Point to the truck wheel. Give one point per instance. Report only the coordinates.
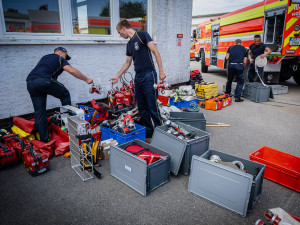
(286, 71)
(296, 78)
(204, 67)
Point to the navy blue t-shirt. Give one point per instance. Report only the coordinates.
(50, 66)
(237, 53)
(137, 48)
(257, 50)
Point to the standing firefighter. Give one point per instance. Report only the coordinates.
(237, 60)
(257, 49)
(139, 49)
(42, 81)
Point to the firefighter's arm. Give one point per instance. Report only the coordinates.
(249, 57)
(124, 68)
(154, 50)
(245, 61)
(269, 51)
(76, 73)
(227, 56)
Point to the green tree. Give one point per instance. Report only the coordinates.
(105, 11)
(132, 10)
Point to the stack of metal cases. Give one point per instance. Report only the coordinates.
(257, 92)
(135, 172)
(231, 188)
(195, 146)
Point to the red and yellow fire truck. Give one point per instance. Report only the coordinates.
(278, 23)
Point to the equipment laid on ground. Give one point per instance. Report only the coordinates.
(67, 111)
(78, 159)
(206, 90)
(143, 153)
(226, 186)
(281, 167)
(188, 147)
(217, 103)
(195, 77)
(278, 216)
(257, 92)
(181, 131)
(35, 163)
(8, 155)
(238, 165)
(89, 153)
(139, 174)
(217, 124)
(105, 147)
(124, 124)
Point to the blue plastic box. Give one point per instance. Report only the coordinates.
(139, 133)
(182, 104)
(88, 116)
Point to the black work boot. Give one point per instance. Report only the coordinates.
(239, 100)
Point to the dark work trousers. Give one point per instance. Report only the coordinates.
(235, 70)
(38, 90)
(252, 74)
(146, 97)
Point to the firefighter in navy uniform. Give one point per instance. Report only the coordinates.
(42, 81)
(139, 49)
(257, 49)
(237, 59)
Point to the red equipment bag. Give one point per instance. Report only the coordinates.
(194, 73)
(8, 154)
(25, 125)
(35, 163)
(143, 153)
(16, 143)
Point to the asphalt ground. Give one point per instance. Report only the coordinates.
(61, 197)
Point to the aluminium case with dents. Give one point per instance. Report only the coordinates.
(173, 145)
(231, 188)
(135, 172)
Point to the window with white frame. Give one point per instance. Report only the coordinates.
(61, 20)
(31, 16)
(135, 11)
(91, 17)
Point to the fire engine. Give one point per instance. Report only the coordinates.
(278, 23)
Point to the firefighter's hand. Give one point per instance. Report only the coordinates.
(89, 80)
(162, 76)
(262, 56)
(114, 79)
(251, 60)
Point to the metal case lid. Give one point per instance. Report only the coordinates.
(171, 145)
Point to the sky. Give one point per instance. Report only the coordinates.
(204, 7)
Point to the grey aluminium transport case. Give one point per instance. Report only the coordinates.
(172, 145)
(135, 172)
(231, 188)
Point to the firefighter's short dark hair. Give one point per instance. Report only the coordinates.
(257, 36)
(238, 41)
(123, 23)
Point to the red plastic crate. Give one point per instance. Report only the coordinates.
(281, 167)
(163, 99)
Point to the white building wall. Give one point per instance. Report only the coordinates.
(99, 61)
